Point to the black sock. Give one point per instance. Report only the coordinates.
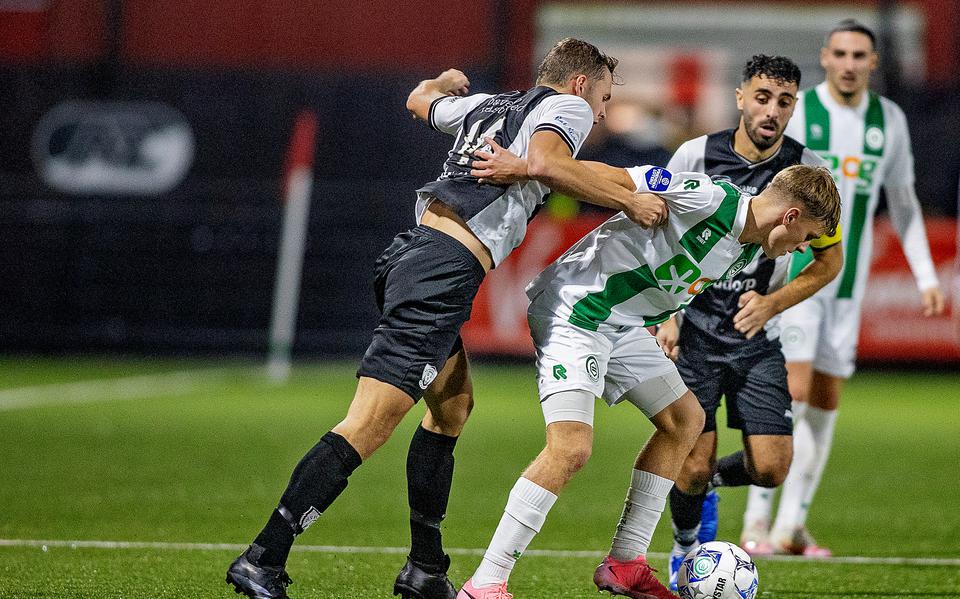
(429, 476)
(685, 511)
(732, 471)
(317, 480)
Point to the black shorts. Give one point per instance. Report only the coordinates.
(425, 283)
(754, 384)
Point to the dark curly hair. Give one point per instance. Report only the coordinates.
(779, 68)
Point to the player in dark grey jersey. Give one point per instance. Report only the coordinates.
(721, 348)
(425, 285)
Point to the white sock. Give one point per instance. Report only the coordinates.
(822, 424)
(526, 511)
(812, 439)
(759, 505)
(641, 512)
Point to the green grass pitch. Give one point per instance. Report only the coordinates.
(179, 465)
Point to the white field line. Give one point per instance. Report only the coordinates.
(131, 387)
(46, 544)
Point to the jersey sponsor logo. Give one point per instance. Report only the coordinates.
(699, 286)
(737, 284)
(309, 517)
(593, 368)
(873, 137)
(852, 167)
(559, 372)
(429, 373)
(658, 179)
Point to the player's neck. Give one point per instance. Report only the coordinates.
(744, 146)
(850, 100)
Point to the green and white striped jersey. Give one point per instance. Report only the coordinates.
(621, 274)
(866, 146)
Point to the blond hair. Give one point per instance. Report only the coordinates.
(570, 57)
(813, 188)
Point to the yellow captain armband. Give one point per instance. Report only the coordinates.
(826, 240)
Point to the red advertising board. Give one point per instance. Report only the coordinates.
(894, 328)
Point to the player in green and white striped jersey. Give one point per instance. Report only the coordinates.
(864, 137)
(588, 318)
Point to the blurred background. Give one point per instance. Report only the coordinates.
(146, 148)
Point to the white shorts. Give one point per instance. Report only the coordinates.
(824, 330)
(615, 365)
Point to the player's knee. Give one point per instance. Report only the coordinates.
(696, 474)
(686, 419)
(571, 456)
(769, 473)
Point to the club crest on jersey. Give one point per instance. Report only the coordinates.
(593, 368)
(658, 179)
(816, 131)
(738, 266)
(429, 373)
(873, 138)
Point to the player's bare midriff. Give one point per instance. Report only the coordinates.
(441, 217)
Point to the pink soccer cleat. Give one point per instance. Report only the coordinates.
(799, 541)
(633, 579)
(491, 591)
(755, 538)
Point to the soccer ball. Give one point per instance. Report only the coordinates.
(717, 570)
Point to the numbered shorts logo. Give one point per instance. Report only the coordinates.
(593, 368)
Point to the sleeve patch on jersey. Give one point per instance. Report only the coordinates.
(658, 179)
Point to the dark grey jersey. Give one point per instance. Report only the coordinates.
(712, 311)
(498, 214)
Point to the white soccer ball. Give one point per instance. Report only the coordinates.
(718, 570)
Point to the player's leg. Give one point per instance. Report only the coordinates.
(407, 349)
(789, 532)
(639, 373)
(625, 570)
(571, 363)
(430, 463)
(801, 330)
(568, 447)
(687, 498)
(834, 362)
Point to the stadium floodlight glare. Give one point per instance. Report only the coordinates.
(298, 185)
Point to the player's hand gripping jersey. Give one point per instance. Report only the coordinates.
(498, 214)
(623, 275)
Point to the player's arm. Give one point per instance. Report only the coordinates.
(906, 215)
(449, 83)
(550, 161)
(907, 219)
(501, 166)
(756, 309)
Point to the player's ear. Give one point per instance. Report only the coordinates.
(580, 85)
(738, 93)
(791, 216)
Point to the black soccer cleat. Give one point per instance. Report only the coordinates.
(414, 582)
(257, 582)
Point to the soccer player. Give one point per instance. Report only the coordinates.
(588, 316)
(721, 349)
(865, 139)
(425, 284)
